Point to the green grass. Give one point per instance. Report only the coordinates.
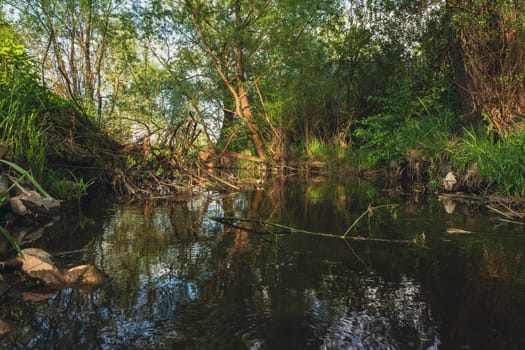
(424, 137)
(23, 106)
(501, 162)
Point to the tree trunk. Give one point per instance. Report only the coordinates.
(88, 71)
(491, 65)
(247, 117)
(239, 92)
(243, 105)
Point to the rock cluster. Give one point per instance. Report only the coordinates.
(40, 265)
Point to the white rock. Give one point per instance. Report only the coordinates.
(450, 181)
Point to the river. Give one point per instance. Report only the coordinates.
(180, 280)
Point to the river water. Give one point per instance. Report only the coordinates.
(180, 280)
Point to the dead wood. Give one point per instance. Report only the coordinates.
(230, 221)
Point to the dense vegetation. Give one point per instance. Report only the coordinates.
(152, 89)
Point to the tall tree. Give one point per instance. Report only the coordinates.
(243, 41)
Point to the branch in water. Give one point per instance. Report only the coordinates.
(419, 239)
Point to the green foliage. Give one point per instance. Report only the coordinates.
(24, 106)
(67, 186)
(415, 113)
(326, 81)
(501, 162)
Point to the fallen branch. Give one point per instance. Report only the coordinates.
(507, 215)
(418, 239)
(224, 182)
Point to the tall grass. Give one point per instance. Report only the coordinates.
(40, 128)
(23, 107)
(424, 136)
(501, 162)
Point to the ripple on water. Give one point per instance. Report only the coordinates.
(386, 316)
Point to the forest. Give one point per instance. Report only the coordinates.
(145, 97)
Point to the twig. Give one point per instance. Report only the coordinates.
(369, 211)
(513, 212)
(228, 221)
(512, 221)
(224, 182)
(508, 216)
(70, 252)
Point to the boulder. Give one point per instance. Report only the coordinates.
(85, 275)
(39, 264)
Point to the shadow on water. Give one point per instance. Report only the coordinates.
(182, 281)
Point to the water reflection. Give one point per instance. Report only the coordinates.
(181, 280)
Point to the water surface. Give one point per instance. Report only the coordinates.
(180, 280)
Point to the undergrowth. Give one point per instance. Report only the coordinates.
(49, 135)
(501, 162)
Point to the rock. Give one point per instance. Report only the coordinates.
(17, 206)
(85, 275)
(450, 181)
(39, 264)
(39, 205)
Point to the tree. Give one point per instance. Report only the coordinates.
(489, 60)
(244, 41)
(70, 39)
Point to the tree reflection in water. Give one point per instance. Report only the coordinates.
(181, 280)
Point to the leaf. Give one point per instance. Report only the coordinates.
(457, 230)
(11, 240)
